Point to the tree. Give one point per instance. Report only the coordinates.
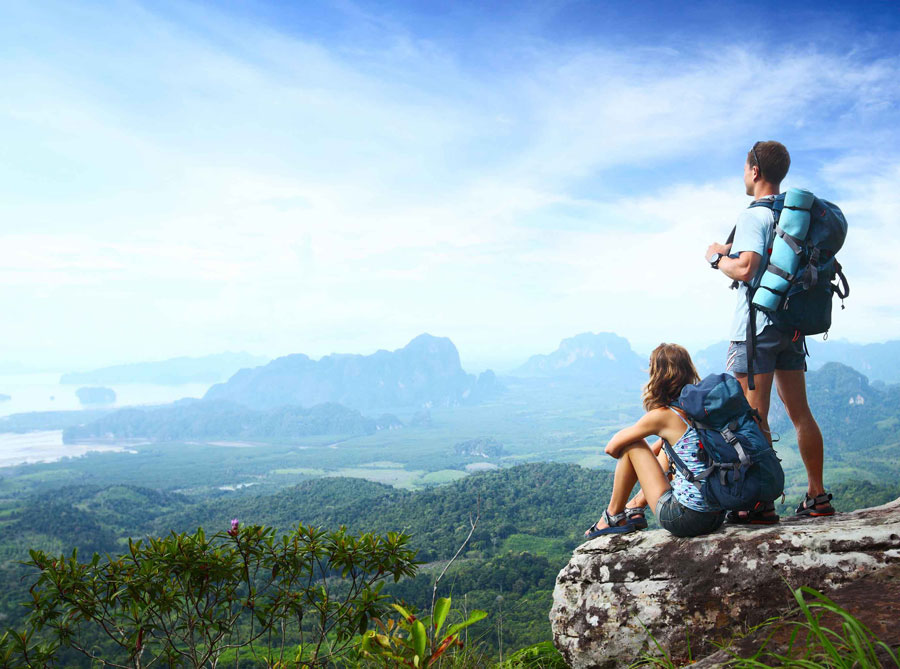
(192, 600)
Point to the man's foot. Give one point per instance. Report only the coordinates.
(637, 516)
(763, 513)
(610, 524)
(817, 506)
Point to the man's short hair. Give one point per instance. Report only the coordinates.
(774, 160)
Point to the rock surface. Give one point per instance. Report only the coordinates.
(689, 593)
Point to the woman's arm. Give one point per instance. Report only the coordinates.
(649, 424)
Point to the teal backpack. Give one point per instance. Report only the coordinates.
(741, 466)
(802, 274)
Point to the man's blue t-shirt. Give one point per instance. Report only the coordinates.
(755, 232)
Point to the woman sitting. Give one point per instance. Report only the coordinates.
(680, 508)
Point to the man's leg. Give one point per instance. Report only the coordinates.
(791, 385)
(759, 399)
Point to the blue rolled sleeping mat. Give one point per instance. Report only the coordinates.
(786, 249)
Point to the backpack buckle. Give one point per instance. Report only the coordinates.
(728, 435)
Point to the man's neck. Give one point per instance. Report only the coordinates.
(763, 189)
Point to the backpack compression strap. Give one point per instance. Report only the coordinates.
(775, 205)
(727, 433)
(681, 468)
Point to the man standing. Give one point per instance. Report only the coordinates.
(776, 357)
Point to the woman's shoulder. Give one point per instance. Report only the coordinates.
(660, 416)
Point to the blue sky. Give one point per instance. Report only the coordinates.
(318, 177)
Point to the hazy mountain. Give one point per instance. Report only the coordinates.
(221, 420)
(879, 362)
(604, 358)
(175, 371)
(852, 414)
(425, 372)
(48, 420)
(711, 360)
(96, 395)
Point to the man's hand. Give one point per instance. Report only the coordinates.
(717, 248)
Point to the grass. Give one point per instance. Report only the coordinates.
(888, 423)
(399, 478)
(305, 471)
(544, 546)
(814, 644)
(442, 476)
(539, 656)
(843, 642)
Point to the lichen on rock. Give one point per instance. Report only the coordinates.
(617, 591)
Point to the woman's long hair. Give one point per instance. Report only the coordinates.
(671, 370)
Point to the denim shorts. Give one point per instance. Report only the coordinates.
(684, 522)
(774, 350)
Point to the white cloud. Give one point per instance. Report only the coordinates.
(221, 185)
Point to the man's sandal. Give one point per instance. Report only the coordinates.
(762, 513)
(808, 506)
(636, 516)
(614, 527)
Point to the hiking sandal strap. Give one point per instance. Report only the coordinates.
(811, 502)
(614, 520)
(635, 511)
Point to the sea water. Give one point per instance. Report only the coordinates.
(44, 446)
(43, 392)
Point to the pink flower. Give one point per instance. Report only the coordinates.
(234, 527)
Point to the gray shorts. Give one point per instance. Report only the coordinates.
(684, 522)
(774, 350)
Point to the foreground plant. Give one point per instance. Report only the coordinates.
(192, 600)
(813, 644)
(415, 642)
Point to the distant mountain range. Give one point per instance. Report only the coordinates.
(194, 420)
(852, 414)
(426, 372)
(602, 358)
(879, 362)
(175, 371)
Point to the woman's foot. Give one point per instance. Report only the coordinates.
(637, 516)
(610, 524)
(763, 513)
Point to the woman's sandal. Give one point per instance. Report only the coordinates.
(762, 513)
(636, 516)
(808, 506)
(614, 527)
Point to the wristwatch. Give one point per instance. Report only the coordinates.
(716, 257)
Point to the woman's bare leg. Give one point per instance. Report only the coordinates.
(640, 500)
(636, 464)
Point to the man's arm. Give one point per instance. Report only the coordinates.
(742, 268)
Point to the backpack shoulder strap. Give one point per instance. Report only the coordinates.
(682, 468)
(678, 413)
(776, 204)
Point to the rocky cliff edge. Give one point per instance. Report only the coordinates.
(689, 594)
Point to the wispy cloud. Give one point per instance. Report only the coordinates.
(222, 184)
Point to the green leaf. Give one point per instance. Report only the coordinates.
(420, 638)
(477, 615)
(403, 612)
(441, 608)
